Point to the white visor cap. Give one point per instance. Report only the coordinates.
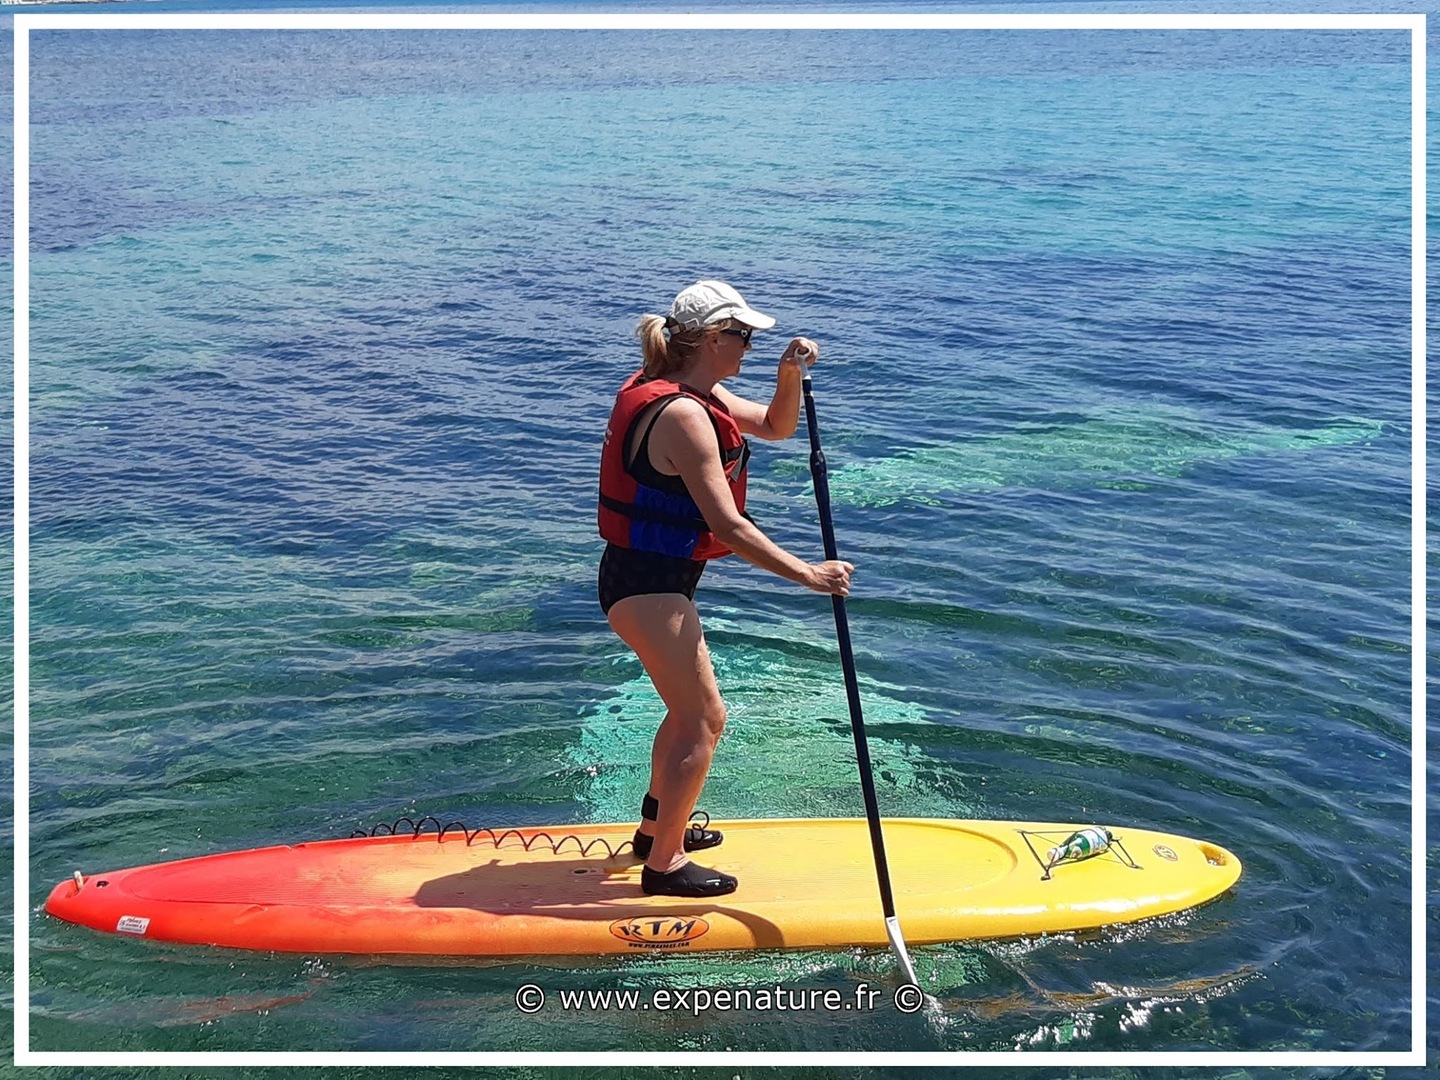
(708, 302)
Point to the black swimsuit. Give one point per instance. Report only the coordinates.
(630, 572)
(627, 572)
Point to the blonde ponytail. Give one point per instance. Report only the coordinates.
(664, 357)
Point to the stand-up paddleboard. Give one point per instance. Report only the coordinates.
(576, 891)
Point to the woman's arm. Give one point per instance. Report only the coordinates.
(683, 439)
(780, 418)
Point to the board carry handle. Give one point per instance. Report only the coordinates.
(819, 475)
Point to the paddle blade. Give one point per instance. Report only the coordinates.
(897, 943)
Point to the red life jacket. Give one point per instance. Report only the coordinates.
(647, 510)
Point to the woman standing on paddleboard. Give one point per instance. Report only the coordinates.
(672, 497)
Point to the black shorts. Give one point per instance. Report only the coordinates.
(627, 572)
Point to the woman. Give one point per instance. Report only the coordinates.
(672, 497)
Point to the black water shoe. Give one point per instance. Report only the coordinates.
(697, 838)
(689, 880)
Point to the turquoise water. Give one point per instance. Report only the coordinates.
(1115, 391)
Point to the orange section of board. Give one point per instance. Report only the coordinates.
(803, 884)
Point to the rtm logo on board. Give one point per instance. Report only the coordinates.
(659, 931)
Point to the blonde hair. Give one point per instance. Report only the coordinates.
(666, 355)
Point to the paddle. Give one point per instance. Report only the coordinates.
(820, 476)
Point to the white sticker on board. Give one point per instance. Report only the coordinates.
(132, 924)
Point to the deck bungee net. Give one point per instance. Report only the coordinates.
(488, 835)
(484, 834)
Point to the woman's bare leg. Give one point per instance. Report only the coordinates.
(664, 630)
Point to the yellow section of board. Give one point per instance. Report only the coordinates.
(811, 883)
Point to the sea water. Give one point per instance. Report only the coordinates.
(1115, 389)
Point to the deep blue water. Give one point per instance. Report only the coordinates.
(1115, 390)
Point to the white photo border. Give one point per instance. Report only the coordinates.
(737, 20)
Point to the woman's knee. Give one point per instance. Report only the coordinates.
(701, 725)
(712, 719)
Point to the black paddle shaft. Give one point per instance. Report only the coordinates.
(820, 476)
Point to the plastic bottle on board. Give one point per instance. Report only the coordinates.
(1080, 845)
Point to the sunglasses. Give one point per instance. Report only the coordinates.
(743, 335)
